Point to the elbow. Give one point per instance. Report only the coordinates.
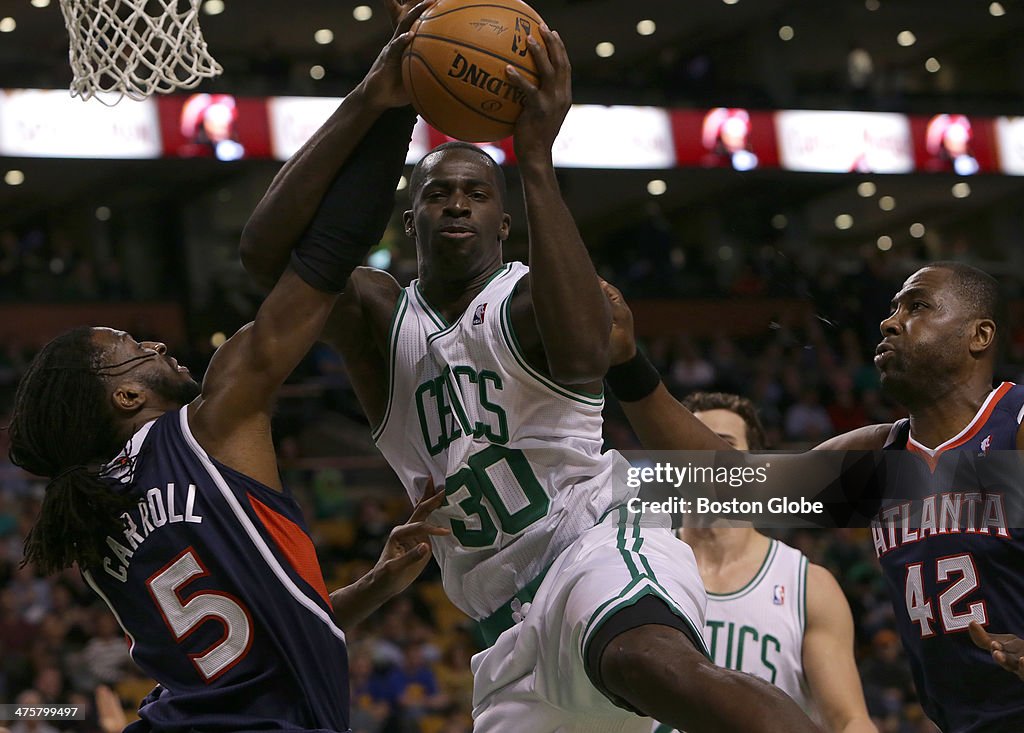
(248, 249)
(253, 261)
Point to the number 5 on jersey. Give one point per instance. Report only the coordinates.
(185, 615)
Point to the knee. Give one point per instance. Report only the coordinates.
(649, 657)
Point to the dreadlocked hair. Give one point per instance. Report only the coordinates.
(64, 429)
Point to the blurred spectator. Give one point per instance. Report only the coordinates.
(369, 713)
(30, 725)
(807, 420)
(30, 594)
(410, 686)
(106, 654)
(372, 528)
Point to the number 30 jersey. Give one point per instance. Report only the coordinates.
(519, 455)
(216, 584)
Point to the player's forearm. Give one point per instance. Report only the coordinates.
(287, 324)
(354, 603)
(571, 311)
(661, 423)
(291, 201)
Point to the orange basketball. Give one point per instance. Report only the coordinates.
(454, 68)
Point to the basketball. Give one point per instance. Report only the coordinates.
(454, 68)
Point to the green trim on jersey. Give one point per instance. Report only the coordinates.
(501, 620)
(396, 325)
(773, 548)
(802, 590)
(587, 398)
(624, 599)
(438, 334)
(433, 315)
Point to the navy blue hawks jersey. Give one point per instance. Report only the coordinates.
(216, 584)
(951, 545)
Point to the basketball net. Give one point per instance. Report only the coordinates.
(135, 48)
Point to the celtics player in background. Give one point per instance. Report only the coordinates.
(770, 612)
(486, 377)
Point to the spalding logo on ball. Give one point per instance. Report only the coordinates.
(454, 68)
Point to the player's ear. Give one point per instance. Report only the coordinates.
(505, 228)
(983, 335)
(129, 397)
(410, 226)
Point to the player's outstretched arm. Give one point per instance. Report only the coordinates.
(660, 422)
(347, 170)
(571, 314)
(1007, 649)
(405, 554)
(828, 656)
(231, 417)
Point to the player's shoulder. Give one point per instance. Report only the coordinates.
(869, 437)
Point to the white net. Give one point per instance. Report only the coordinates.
(135, 48)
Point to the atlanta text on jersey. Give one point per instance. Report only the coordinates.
(952, 512)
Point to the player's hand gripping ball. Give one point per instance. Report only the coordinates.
(454, 68)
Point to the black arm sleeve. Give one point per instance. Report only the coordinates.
(356, 208)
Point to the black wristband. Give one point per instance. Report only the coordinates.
(633, 380)
(356, 208)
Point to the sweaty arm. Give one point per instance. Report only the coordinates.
(405, 554)
(828, 656)
(571, 314)
(231, 419)
(345, 174)
(658, 419)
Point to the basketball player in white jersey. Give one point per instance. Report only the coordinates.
(770, 612)
(486, 377)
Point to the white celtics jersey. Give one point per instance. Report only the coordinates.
(519, 456)
(760, 627)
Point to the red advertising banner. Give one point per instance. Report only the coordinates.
(954, 143)
(214, 126)
(725, 137)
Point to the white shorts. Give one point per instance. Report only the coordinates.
(533, 677)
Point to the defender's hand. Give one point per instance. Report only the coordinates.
(545, 104)
(1007, 650)
(383, 82)
(109, 711)
(407, 550)
(622, 347)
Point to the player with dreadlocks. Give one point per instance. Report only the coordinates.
(63, 428)
(167, 495)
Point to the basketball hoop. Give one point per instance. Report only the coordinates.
(135, 48)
